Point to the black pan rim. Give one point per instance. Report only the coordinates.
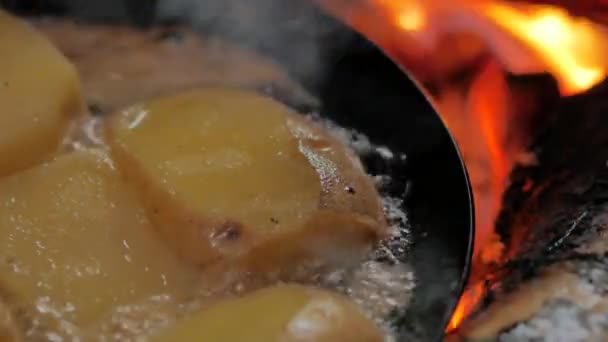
(471, 244)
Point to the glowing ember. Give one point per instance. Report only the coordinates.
(523, 39)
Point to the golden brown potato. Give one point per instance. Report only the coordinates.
(75, 242)
(228, 174)
(286, 313)
(39, 92)
(346, 186)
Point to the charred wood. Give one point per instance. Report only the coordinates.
(553, 283)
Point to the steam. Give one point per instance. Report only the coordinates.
(292, 32)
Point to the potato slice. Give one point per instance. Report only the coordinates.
(346, 186)
(227, 174)
(74, 242)
(39, 92)
(281, 313)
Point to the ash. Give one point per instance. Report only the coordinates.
(384, 283)
(561, 320)
(571, 317)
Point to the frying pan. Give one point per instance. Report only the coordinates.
(361, 88)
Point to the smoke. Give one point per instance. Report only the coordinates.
(293, 32)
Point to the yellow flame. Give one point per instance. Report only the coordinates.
(565, 44)
(572, 49)
(411, 18)
(409, 15)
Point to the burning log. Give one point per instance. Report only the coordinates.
(489, 117)
(554, 224)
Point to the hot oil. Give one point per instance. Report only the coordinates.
(46, 318)
(382, 285)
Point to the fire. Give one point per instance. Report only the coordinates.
(467, 303)
(521, 38)
(571, 49)
(525, 38)
(412, 19)
(489, 106)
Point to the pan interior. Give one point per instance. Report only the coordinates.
(361, 89)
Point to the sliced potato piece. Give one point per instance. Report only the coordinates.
(39, 92)
(346, 186)
(282, 313)
(228, 174)
(75, 242)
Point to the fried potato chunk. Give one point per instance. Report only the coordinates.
(75, 242)
(282, 313)
(39, 92)
(228, 174)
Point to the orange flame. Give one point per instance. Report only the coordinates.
(489, 103)
(489, 106)
(523, 38)
(467, 304)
